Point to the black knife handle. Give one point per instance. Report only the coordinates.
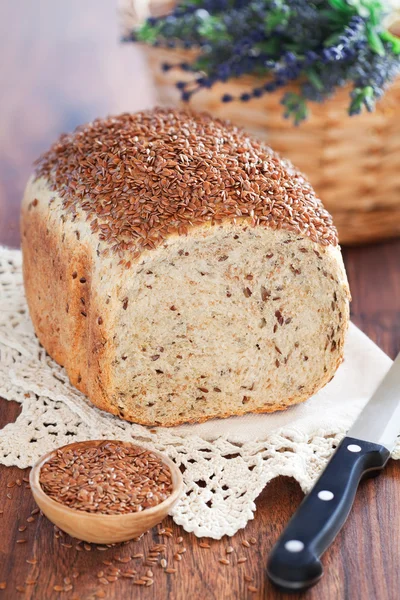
(294, 562)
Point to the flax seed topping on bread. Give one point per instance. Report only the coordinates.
(140, 177)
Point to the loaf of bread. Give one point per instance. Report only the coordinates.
(180, 270)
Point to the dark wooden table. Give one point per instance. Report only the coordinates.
(61, 65)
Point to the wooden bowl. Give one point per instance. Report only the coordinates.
(101, 528)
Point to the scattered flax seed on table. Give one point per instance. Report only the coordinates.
(124, 559)
(112, 478)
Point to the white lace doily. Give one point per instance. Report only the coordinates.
(225, 463)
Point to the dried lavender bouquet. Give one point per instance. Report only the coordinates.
(314, 46)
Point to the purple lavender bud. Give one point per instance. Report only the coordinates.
(186, 96)
(270, 86)
(209, 82)
(245, 97)
(290, 58)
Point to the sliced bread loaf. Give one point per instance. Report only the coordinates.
(180, 270)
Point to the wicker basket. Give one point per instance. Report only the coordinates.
(353, 162)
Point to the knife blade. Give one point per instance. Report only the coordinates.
(379, 421)
(294, 563)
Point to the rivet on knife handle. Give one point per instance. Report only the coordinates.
(294, 562)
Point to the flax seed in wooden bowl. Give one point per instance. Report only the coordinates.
(105, 491)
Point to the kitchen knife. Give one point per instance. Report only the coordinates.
(294, 561)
